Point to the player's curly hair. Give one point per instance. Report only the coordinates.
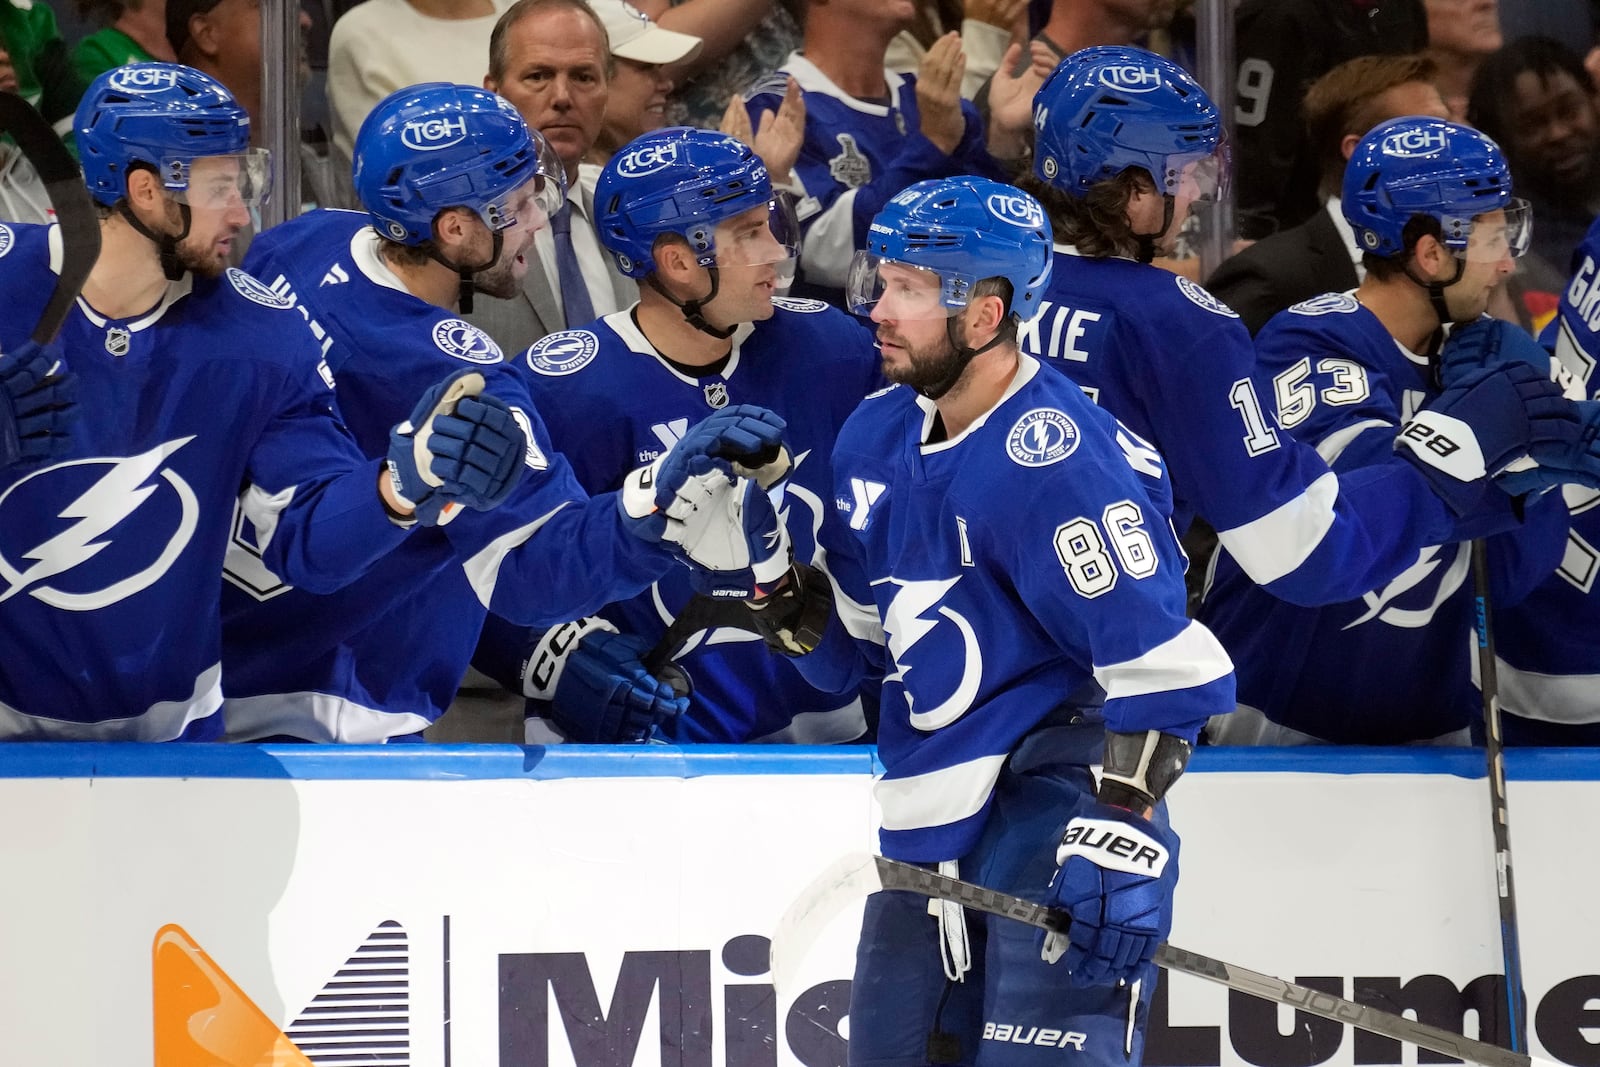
(1096, 224)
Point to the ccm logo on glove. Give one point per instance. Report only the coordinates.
(1112, 846)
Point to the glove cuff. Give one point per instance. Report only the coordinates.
(547, 660)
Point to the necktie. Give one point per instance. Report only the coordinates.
(575, 302)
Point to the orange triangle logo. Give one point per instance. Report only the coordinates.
(203, 1019)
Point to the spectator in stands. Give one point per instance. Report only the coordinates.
(22, 195)
(131, 31)
(552, 60)
(379, 46)
(745, 41)
(1283, 46)
(1320, 255)
(986, 27)
(1536, 99)
(871, 132)
(223, 39)
(1461, 35)
(41, 69)
(641, 53)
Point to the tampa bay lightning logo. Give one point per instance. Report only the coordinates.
(792, 303)
(1327, 304)
(124, 523)
(1412, 598)
(1041, 437)
(929, 641)
(563, 353)
(1197, 294)
(257, 292)
(461, 339)
(7, 239)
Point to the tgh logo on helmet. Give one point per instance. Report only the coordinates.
(1131, 78)
(1021, 211)
(141, 78)
(1409, 143)
(430, 135)
(647, 159)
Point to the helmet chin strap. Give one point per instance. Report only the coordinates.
(1147, 241)
(964, 356)
(692, 309)
(1441, 308)
(464, 301)
(166, 244)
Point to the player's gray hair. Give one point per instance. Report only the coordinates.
(521, 10)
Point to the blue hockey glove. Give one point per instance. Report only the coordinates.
(460, 448)
(37, 407)
(737, 546)
(1116, 875)
(1560, 461)
(1488, 422)
(598, 689)
(1485, 344)
(697, 470)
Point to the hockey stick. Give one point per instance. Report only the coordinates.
(1499, 818)
(69, 198)
(858, 874)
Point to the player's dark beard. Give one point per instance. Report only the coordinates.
(498, 281)
(928, 365)
(202, 263)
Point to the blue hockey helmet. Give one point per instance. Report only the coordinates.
(434, 146)
(680, 180)
(163, 115)
(1107, 108)
(1417, 165)
(961, 230)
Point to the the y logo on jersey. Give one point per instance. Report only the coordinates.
(1019, 209)
(430, 135)
(647, 159)
(1131, 78)
(1410, 144)
(1041, 437)
(864, 495)
(123, 523)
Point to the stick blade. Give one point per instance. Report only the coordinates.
(847, 880)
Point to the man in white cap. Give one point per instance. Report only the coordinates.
(642, 54)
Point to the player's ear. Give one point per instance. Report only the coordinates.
(144, 188)
(673, 257)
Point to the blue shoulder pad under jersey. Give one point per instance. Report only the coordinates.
(1548, 670)
(1010, 567)
(1391, 666)
(111, 555)
(1176, 366)
(393, 648)
(614, 404)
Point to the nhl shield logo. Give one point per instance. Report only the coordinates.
(717, 395)
(850, 168)
(117, 341)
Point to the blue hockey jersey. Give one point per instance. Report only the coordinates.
(1174, 364)
(110, 559)
(383, 657)
(856, 155)
(1392, 665)
(1548, 665)
(1003, 570)
(612, 403)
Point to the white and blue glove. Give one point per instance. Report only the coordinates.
(461, 447)
(1116, 875)
(1491, 422)
(38, 404)
(596, 684)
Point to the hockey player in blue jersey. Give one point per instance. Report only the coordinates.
(200, 380)
(455, 186)
(692, 215)
(1006, 549)
(1127, 142)
(1431, 203)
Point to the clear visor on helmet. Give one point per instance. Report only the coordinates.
(535, 200)
(1200, 179)
(903, 291)
(1495, 235)
(220, 182)
(760, 236)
